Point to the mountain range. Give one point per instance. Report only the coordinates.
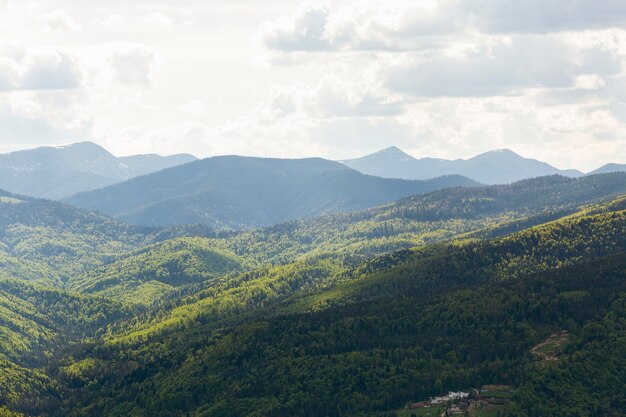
(608, 168)
(501, 166)
(58, 172)
(61, 172)
(516, 288)
(233, 192)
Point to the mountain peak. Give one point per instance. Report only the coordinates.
(502, 151)
(498, 166)
(392, 150)
(83, 144)
(85, 149)
(60, 171)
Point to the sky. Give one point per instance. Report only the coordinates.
(337, 79)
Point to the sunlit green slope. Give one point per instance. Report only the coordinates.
(395, 329)
(155, 271)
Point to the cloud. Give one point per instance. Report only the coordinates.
(59, 20)
(133, 64)
(51, 71)
(38, 118)
(545, 16)
(303, 31)
(194, 108)
(167, 19)
(22, 68)
(410, 25)
(110, 21)
(516, 63)
(589, 82)
(158, 19)
(155, 20)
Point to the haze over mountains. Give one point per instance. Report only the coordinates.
(608, 168)
(57, 172)
(500, 166)
(233, 192)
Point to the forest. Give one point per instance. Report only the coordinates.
(351, 314)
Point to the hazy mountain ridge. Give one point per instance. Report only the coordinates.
(500, 166)
(57, 172)
(235, 192)
(608, 168)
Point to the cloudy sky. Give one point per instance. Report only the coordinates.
(444, 78)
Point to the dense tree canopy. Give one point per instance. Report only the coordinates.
(354, 314)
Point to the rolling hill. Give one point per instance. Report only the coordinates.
(446, 290)
(609, 168)
(335, 241)
(495, 167)
(237, 192)
(154, 271)
(60, 240)
(426, 219)
(57, 172)
(396, 329)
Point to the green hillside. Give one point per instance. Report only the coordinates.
(62, 238)
(356, 313)
(396, 329)
(154, 271)
(38, 324)
(428, 218)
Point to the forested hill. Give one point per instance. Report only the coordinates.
(237, 192)
(428, 218)
(60, 239)
(155, 272)
(355, 313)
(397, 329)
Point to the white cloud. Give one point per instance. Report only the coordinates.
(589, 82)
(59, 20)
(303, 31)
(135, 65)
(158, 19)
(194, 108)
(40, 118)
(110, 21)
(411, 25)
(23, 68)
(527, 61)
(444, 78)
(544, 16)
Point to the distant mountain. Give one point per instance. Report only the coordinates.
(232, 192)
(57, 172)
(608, 168)
(501, 166)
